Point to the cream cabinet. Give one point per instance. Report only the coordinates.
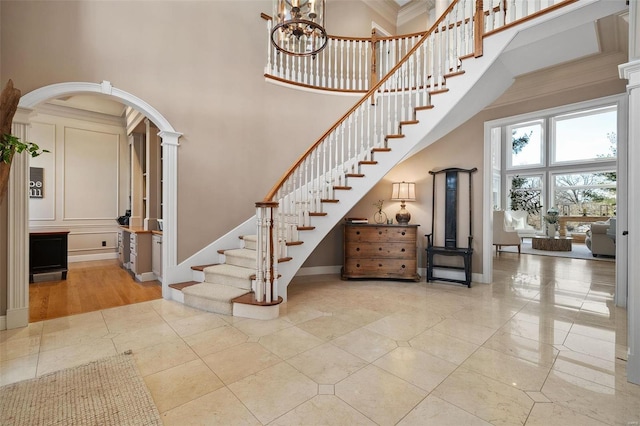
(140, 255)
(156, 256)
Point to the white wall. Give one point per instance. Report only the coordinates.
(85, 182)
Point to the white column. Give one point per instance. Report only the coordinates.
(18, 230)
(631, 72)
(169, 207)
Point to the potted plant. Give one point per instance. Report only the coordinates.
(552, 220)
(10, 144)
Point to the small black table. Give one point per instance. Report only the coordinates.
(48, 251)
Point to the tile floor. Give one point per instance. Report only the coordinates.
(541, 345)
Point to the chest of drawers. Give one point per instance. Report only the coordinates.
(380, 251)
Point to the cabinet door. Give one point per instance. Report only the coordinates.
(156, 255)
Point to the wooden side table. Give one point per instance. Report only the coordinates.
(551, 244)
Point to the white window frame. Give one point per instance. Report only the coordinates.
(508, 143)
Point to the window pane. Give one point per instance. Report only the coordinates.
(526, 144)
(586, 135)
(589, 193)
(525, 193)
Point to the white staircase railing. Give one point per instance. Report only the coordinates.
(352, 141)
(354, 64)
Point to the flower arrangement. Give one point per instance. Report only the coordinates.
(379, 204)
(552, 216)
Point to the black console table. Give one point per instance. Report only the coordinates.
(48, 251)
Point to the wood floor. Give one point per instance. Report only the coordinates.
(90, 286)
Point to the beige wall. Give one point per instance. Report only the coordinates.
(191, 62)
(85, 180)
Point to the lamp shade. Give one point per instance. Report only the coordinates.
(403, 191)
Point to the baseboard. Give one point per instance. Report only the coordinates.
(318, 270)
(3, 322)
(89, 257)
(16, 318)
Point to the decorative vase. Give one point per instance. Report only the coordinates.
(551, 230)
(380, 217)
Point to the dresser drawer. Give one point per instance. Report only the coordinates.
(380, 268)
(380, 234)
(404, 250)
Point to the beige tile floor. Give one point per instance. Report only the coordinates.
(541, 345)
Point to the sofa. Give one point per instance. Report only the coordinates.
(516, 220)
(598, 241)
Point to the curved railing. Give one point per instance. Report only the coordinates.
(354, 64)
(366, 127)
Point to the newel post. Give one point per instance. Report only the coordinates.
(266, 288)
(478, 28)
(374, 63)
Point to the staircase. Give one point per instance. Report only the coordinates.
(441, 82)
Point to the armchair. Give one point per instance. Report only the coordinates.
(503, 235)
(598, 241)
(517, 220)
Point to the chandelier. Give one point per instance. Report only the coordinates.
(299, 27)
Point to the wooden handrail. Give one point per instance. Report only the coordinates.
(530, 17)
(370, 93)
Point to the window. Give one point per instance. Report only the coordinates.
(563, 158)
(585, 193)
(585, 135)
(526, 148)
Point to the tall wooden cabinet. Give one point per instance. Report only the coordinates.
(380, 251)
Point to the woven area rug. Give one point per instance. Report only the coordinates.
(109, 391)
(578, 251)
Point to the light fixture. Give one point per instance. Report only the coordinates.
(403, 191)
(299, 27)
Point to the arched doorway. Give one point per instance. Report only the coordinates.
(18, 220)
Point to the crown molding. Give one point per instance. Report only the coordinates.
(386, 8)
(413, 9)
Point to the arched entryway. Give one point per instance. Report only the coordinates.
(17, 196)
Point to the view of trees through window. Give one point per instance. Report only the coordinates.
(566, 161)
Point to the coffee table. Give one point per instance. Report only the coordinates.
(551, 244)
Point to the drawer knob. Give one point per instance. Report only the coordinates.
(403, 266)
(357, 265)
(379, 265)
(379, 232)
(357, 248)
(379, 248)
(402, 250)
(403, 232)
(357, 232)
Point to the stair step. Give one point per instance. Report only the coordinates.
(230, 275)
(438, 91)
(240, 257)
(180, 286)
(400, 136)
(380, 149)
(341, 187)
(305, 228)
(285, 259)
(250, 242)
(408, 122)
(249, 299)
(325, 200)
(422, 108)
(317, 214)
(201, 267)
(454, 73)
(294, 243)
(354, 175)
(212, 297)
(369, 162)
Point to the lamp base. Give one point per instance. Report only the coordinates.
(403, 216)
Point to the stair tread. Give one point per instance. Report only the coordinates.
(180, 286)
(241, 252)
(250, 237)
(248, 299)
(202, 267)
(380, 149)
(317, 214)
(354, 175)
(219, 292)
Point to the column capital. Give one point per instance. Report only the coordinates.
(630, 71)
(170, 138)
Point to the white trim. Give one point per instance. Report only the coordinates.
(80, 114)
(146, 276)
(3, 322)
(19, 284)
(90, 257)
